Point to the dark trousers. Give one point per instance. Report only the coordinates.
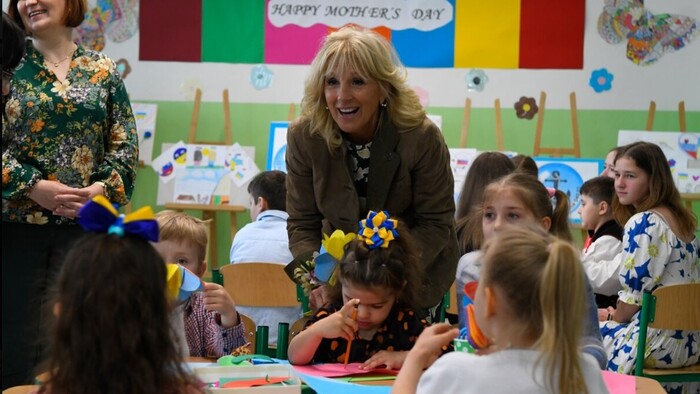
(31, 257)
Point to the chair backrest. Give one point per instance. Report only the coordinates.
(297, 326)
(452, 306)
(675, 307)
(259, 284)
(249, 331)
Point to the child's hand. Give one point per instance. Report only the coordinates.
(338, 325)
(429, 345)
(392, 360)
(217, 299)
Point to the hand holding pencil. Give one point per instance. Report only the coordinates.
(347, 351)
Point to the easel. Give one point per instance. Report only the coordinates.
(209, 211)
(557, 152)
(688, 198)
(652, 112)
(465, 123)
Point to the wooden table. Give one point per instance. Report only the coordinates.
(209, 214)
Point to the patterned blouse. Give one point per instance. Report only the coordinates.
(78, 131)
(399, 332)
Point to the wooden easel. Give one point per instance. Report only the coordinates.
(209, 211)
(557, 152)
(465, 123)
(652, 112)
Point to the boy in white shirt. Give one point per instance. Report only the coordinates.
(604, 242)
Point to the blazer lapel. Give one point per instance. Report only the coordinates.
(383, 163)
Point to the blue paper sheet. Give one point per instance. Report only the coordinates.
(332, 386)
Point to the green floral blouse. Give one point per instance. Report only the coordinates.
(78, 131)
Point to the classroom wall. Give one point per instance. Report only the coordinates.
(250, 127)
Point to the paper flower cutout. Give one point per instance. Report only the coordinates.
(123, 67)
(261, 77)
(476, 80)
(601, 80)
(181, 282)
(189, 87)
(526, 108)
(322, 267)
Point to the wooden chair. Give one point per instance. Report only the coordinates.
(259, 284)
(672, 307)
(297, 327)
(249, 330)
(20, 389)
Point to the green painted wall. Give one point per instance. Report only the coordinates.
(250, 125)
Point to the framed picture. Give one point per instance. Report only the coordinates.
(567, 175)
(278, 146)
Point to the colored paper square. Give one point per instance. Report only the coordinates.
(487, 34)
(551, 34)
(175, 37)
(233, 31)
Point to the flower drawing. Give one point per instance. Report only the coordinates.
(476, 80)
(601, 80)
(526, 108)
(261, 77)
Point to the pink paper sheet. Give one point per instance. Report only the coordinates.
(337, 370)
(618, 383)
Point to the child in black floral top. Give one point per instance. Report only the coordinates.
(378, 275)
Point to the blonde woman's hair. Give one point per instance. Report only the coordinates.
(181, 227)
(535, 196)
(372, 57)
(542, 280)
(662, 190)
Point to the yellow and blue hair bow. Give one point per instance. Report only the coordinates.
(378, 230)
(100, 216)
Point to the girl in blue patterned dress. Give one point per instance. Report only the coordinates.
(659, 248)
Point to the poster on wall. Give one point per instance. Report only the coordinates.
(682, 150)
(204, 174)
(567, 175)
(145, 116)
(460, 161)
(277, 147)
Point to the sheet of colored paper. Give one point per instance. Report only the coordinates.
(336, 370)
(332, 386)
(618, 383)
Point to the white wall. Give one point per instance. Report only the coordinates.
(675, 77)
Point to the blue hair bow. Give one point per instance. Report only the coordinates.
(100, 216)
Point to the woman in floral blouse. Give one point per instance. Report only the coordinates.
(68, 136)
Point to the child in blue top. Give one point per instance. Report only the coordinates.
(377, 276)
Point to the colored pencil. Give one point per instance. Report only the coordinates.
(347, 351)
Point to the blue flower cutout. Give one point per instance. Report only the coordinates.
(261, 77)
(601, 80)
(476, 80)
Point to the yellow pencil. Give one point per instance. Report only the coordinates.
(347, 351)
